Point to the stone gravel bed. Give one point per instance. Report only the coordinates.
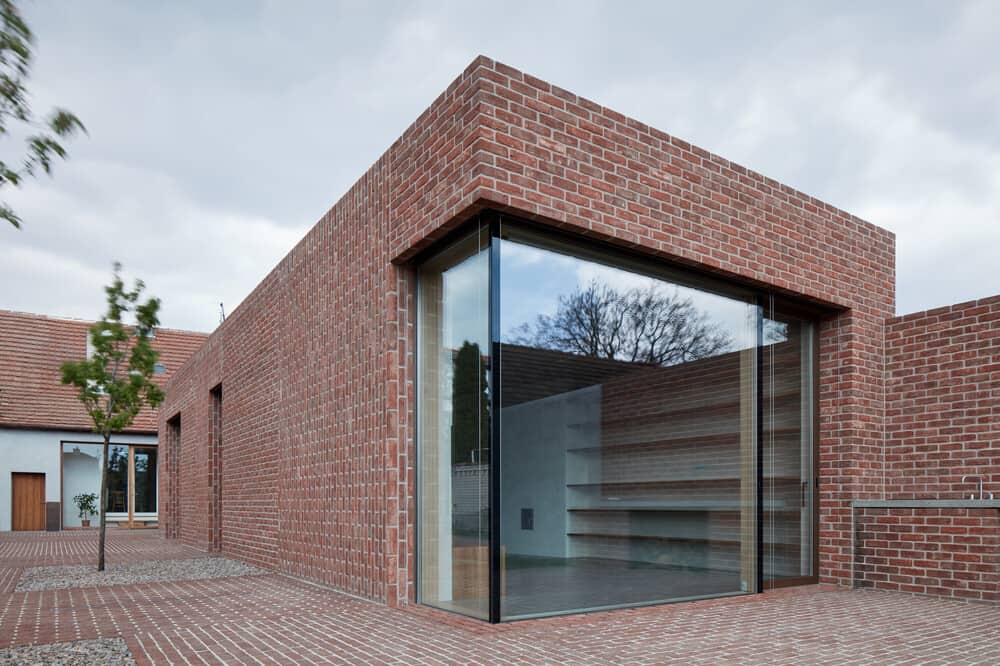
(131, 573)
(111, 651)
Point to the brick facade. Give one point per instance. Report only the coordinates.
(317, 364)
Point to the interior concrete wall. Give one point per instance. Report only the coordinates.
(536, 436)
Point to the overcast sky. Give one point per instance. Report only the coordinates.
(220, 132)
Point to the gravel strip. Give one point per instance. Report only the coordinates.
(130, 573)
(111, 651)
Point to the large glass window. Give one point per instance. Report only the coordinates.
(117, 499)
(789, 491)
(132, 480)
(453, 403)
(652, 431)
(144, 463)
(627, 403)
(81, 475)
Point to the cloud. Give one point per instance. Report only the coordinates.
(220, 132)
(191, 256)
(948, 252)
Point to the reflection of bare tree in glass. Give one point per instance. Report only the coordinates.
(651, 325)
(774, 332)
(118, 461)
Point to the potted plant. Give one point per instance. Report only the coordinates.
(87, 504)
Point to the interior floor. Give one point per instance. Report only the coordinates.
(542, 585)
(548, 585)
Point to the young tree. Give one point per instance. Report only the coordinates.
(114, 383)
(43, 141)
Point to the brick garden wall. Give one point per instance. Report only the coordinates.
(316, 364)
(943, 406)
(942, 552)
(942, 422)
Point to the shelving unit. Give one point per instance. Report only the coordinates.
(660, 482)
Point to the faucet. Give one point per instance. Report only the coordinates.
(980, 479)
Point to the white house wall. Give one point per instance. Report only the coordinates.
(39, 452)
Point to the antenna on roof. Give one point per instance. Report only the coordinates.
(222, 313)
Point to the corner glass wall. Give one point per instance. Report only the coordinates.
(788, 479)
(627, 409)
(650, 431)
(453, 397)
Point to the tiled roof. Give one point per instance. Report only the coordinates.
(32, 347)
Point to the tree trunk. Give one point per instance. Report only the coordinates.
(104, 505)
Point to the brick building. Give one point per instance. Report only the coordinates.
(48, 450)
(542, 358)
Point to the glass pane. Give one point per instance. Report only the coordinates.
(627, 409)
(787, 446)
(145, 481)
(81, 475)
(453, 407)
(117, 479)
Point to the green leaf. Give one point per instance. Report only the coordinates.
(115, 383)
(7, 214)
(65, 123)
(16, 43)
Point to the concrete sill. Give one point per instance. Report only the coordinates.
(927, 504)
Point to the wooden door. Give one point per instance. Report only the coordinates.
(28, 510)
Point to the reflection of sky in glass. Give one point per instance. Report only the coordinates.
(533, 279)
(466, 301)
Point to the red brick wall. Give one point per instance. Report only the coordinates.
(304, 409)
(941, 552)
(170, 477)
(943, 406)
(185, 462)
(215, 470)
(316, 364)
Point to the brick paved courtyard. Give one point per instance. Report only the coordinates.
(273, 619)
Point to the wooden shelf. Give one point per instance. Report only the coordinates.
(677, 508)
(669, 482)
(675, 539)
(702, 440)
(642, 537)
(729, 407)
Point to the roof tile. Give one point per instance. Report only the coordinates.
(32, 347)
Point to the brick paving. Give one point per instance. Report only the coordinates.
(39, 549)
(273, 619)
